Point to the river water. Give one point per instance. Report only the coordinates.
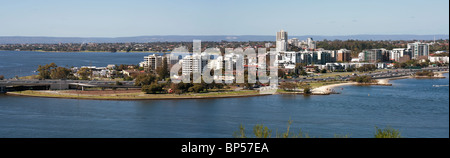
(413, 106)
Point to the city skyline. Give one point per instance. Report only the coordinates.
(138, 18)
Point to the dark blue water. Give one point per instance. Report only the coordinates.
(24, 63)
(413, 106)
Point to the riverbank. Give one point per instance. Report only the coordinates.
(126, 95)
(329, 89)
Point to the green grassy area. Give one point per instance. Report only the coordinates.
(342, 74)
(29, 77)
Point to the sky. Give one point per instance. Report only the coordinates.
(127, 18)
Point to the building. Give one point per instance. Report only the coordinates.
(398, 53)
(294, 42)
(373, 55)
(344, 55)
(152, 62)
(439, 59)
(311, 43)
(282, 41)
(287, 59)
(418, 49)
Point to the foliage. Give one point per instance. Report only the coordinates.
(307, 90)
(60, 73)
(366, 68)
(288, 86)
(261, 131)
(425, 73)
(388, 132)
(163, 71)
(145, 79)
(362, 79)
(85, 73)
(240, 133)
(153, 88)
(303, 73)
(45, 71)
(196, 88)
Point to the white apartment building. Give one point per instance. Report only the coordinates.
(152, 62)
(282, 41)
(418, 49)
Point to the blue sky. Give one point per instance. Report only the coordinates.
(111, 18)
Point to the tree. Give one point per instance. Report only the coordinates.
(84, 73)
(60, 73)
(163, 71)
(153, 88)
(45, 71)
(288, 86)
(2, 77)
(196, 88)
(303, 73)
(144, 79)
(362, 79)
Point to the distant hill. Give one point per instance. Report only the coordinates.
(174, 38)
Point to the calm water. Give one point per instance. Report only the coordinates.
(413, 106)
(24, 63)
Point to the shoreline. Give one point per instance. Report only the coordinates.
(323, 90)
(127, 97)
(328, 89)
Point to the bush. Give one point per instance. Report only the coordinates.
(152, 89)
(387, 133)
(425, 73)
(288, 86)
(144, 79)
(362, 79)
(196, 89)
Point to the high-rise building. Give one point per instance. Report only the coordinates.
(311, 43)
(373, 55)
(418, 49)
(397, 53)
(152, 62)
(344, 55)
(282, 41)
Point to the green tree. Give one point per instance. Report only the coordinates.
(288, 86)
(60, 73)
(163, 71)
(144, 79)
(153, 88)
(84, 73)
(303, 73)
(45, 71)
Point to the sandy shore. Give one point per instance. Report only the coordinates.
(328, 89)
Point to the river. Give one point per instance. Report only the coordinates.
(413, 106)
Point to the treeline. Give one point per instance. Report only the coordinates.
(357, 46)
(126, 47)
